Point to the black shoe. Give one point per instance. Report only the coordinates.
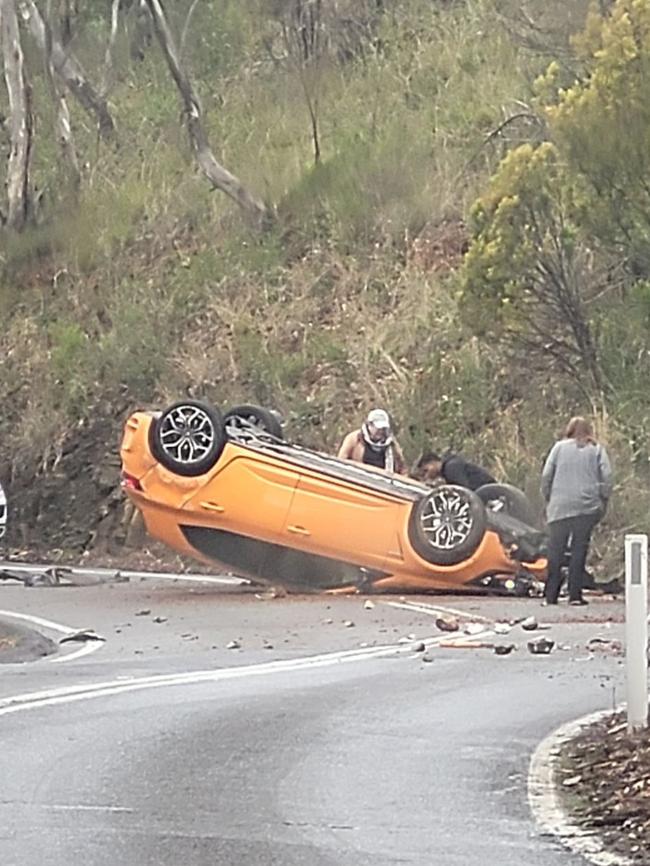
(546, 602)
(578, 602)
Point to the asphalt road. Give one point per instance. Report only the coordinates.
(343, 762)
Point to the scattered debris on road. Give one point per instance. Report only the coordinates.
(48, 577)
(503, 649)
(473, 628)
(447, 623)
(144, 612)
(160, 619)
(271, 593)
(348, 623)
(84, 634)
(605, 645)
(530, 624)
(540, 646)
(233, 644)
(368, 605)
(463, 643)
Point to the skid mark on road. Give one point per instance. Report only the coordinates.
(71, 694)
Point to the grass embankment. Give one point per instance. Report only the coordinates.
(150, 286)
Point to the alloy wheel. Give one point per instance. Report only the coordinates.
(186, 434)
(446, 519)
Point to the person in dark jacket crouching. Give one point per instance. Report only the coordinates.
(576, 486)
(451, 469)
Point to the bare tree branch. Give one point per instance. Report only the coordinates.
(186, 27)
(216, 173)
(68, 67)
(302, 36)
(528, 116)
(19, 193)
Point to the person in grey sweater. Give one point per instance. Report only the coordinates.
(576, 486)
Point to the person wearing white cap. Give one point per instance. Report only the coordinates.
(374, 444)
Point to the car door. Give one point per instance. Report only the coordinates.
(241, 510)
(250, 493)
(342, 519)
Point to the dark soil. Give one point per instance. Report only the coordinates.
(71, 499)
(605, 781)
(69, 508)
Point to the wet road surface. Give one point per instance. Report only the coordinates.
(346, 761)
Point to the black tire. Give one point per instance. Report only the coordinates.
(246, 420)
(187, 438)
(462, 514)
(513, 501)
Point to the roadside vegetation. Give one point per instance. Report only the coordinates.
(603, 778)
(450, 217)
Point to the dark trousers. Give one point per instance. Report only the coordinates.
(579, 529)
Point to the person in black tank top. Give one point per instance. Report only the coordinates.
(374, 444)
(373, 457)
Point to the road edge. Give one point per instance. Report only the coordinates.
(544, 800)
(20, 644)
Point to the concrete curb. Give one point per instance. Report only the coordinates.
(545, 802)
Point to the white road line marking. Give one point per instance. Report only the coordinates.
(189, 578)
(228, 580)
(81, 807)
(435, 610)
(85, 650)
(545, 803)
(70, 694)
(37, 620)
(49, 624)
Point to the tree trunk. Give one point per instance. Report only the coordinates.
(62, 125)
(68, 67)
(216, 173)
(141, 38)
(19, 193)
(67, 13)
(109, 62)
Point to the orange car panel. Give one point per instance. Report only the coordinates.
(328, 516)
(242, 484)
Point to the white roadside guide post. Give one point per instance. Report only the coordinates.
(636, 630)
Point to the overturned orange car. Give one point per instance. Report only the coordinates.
(230, 490)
